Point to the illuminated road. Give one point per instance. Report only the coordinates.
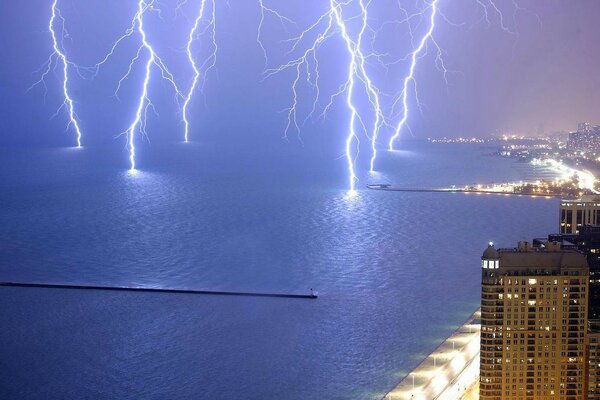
(449, 372)
(459, 387)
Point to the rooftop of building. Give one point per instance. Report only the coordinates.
(541, 258)
(551, 258)
(490, 253)
(586, 198)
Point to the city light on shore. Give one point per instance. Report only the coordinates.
(449, 371)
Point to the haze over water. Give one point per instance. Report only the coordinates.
(395, 272)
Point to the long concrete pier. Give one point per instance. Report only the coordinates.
(310, 295)
(449, 372)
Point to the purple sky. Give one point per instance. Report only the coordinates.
(546, 75)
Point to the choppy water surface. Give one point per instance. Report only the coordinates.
(396, 272)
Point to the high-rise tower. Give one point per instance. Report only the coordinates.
(533, 323)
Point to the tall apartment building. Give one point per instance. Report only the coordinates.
(533, 323)
(584, 127)
(594, 361)
(586, 138)
(574, 214)
(586, 241)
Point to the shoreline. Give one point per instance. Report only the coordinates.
(449, 371)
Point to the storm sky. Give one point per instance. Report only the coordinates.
(543, 75)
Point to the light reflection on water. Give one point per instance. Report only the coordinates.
(395, 272)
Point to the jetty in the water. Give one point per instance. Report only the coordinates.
(310, 295)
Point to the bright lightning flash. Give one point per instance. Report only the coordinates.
(330, 23)
(59, 54)
(488, 7)
(333, 22)
(144, 103)
(208, 64)
(414, 57)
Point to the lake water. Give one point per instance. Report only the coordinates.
(396, 273)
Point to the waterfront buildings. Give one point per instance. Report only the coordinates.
(586, 241)
(580, 229)
(579, 212)
(534, 323)
(586, 138)
(594, 361)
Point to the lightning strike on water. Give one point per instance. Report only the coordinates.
(59, 54)
(352, 72)
(327, 25)
(333, 22)
(206, 66)
(144, 103)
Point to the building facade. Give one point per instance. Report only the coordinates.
(588, 242)
(594, 361)
(533, 323)
(574, 214)
(586, 138)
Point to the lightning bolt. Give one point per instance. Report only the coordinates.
(144, 103)
(352, 137)
(306, 65)
(491, 5)
(488, 7)
(302, 63)
(59, 55)
(414, 57)
(372, 91)
(208, 64)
